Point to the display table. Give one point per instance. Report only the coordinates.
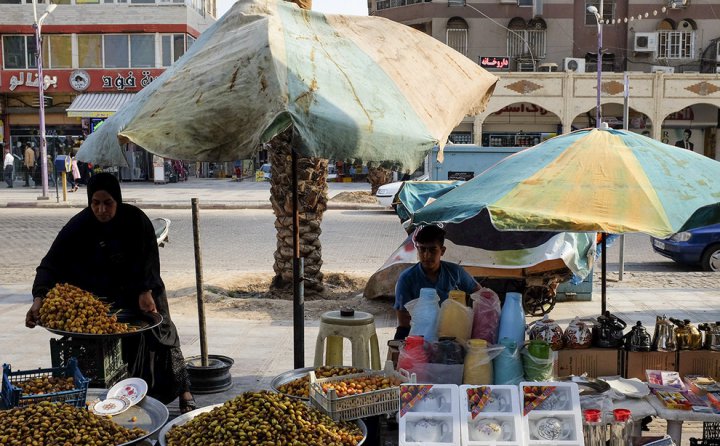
(675, 418)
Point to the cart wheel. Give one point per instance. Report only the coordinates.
(538, 301)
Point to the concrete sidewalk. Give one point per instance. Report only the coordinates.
(212, 193)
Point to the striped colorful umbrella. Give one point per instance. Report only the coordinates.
(351, 87)
(598, 180)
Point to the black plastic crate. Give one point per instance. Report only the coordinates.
(12, 396)
(711, 431)
(704, 442)
(99, 359)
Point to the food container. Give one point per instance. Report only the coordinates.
(490, 415)
(429, 414)
(12, 396)
(551, 413)
(362, 405)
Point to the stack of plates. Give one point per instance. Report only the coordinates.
(121, 397)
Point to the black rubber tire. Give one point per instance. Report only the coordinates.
(711, 258)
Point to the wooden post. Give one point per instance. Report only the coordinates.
(199, 281)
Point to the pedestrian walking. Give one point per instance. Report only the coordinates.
(8, 163)
(29, 164)
(75, 175)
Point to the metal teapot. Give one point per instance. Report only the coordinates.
(638, 339)
(712, 336)
(548, 330)
(664, 335)
(687, 335)
(608, 331)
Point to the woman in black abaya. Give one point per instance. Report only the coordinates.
(110, 250)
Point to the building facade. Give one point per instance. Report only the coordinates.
(545, 54)
(96, 55)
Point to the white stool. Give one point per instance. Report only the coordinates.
(359, 328)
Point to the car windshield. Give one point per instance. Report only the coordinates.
(265, 168)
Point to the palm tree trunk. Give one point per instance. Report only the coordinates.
(312, 203)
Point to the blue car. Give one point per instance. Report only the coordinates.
(700, 246)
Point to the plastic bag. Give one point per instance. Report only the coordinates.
(507, 366)
(486, 315)
(414, 355)
(424, 314)
(479, 362)
(455, 320)
(538, 369)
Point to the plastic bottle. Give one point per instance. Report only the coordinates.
(621, 428)
(424, 314)
(593, 428)
(414, 355)
(455, 318)
(478, 365)
(508, 366)
(512, 319)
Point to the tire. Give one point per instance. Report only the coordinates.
(711, 258)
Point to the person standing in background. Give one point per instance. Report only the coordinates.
(8, 162)
(29, 163)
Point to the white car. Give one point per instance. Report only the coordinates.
(386, 193)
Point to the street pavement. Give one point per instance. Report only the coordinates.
(262, 349)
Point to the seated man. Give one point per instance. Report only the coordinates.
(429, 272)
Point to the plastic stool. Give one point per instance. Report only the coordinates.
(359, 328)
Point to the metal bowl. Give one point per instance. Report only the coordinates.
(182, 419)
(289, 376)
(150, 414)
(587, 386)
(141, 320)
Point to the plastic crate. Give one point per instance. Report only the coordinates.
(100, 359)
(12, 396)
(704, 442)
(364, 405)
(711, 431)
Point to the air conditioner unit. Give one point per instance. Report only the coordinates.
(717, 69)
(664, 69)
(509, 2)
(574, 64)
(677, 4)
(645, 42)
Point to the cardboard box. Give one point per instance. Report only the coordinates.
(593, 361)
(699, 362)
(637, 362)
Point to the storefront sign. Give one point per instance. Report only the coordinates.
(120, 82)
(460, 176)
(522, 108)
(26, 78)
(494, 62)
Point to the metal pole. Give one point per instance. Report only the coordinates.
(199, 281)
(298, 285)
(603, 280)
(626, 126)
(598, 114)
(41, 94)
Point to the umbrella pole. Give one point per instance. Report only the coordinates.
(603, 274)
(298, 286)
(199, 281)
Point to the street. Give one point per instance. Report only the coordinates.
(243, 241)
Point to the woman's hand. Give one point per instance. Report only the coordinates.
(146, 302)
(33, 315)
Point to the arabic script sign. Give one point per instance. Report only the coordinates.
(30, 79)
(120, 82)
(494, 62)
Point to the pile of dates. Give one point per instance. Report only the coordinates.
(301, 387)
(356, 386)
(264, 418)
(45, 384)
(69, 308)
(58, 424)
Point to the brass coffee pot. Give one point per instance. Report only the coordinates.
(687, 335)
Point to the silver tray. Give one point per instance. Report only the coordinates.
(587, 386)
(182, 419)
(151, 414)
(141, 320)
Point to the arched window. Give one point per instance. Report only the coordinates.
(676, 41)
(457, 35)
(527, 40)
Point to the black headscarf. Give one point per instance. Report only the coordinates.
(108, 183)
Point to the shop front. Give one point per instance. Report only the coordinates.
(519, 125)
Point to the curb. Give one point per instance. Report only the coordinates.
(206, 205)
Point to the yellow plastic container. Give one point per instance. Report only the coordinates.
(478, 365)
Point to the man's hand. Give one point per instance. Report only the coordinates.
(146, 302)
(33, 315)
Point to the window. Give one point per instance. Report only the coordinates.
(676, 45)
(173, 47)
(460, 138)
(527, 41)
(115, 50)
(142, 51)
(457, 35)
(57, 51)
(525, 2)
(90, 51)
(608, 11)
(19, 52)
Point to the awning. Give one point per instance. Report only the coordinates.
(97, 105)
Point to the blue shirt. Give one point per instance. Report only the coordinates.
(451, 277)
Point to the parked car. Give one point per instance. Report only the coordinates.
(265, 169)
(386, 193)
(700, 246)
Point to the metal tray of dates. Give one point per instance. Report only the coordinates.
(150, 414)
(140, 320)
(182, 419)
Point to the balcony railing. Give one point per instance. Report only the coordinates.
(386, 4)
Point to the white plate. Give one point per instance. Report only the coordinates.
(111, 406)
(630, 387)
(134, 389)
